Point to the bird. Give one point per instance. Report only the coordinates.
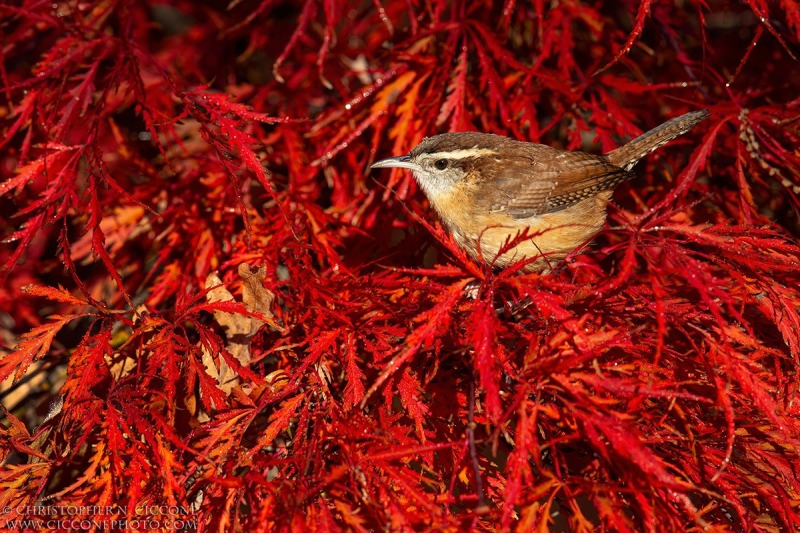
(507, 201)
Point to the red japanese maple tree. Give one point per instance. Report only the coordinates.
(213, 316)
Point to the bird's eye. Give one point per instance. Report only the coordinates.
(440, 164)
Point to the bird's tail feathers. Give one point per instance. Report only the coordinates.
(628, 155)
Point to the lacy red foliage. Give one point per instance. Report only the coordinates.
(372, 376)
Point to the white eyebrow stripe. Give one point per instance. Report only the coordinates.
(463, 153)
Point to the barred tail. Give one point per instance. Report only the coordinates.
(628, 155)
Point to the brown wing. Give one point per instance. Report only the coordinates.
(525, 186)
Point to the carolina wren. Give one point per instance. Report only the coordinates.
(488, 190)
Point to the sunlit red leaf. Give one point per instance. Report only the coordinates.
(33, 345)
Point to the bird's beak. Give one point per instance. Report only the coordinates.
(403, 161)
